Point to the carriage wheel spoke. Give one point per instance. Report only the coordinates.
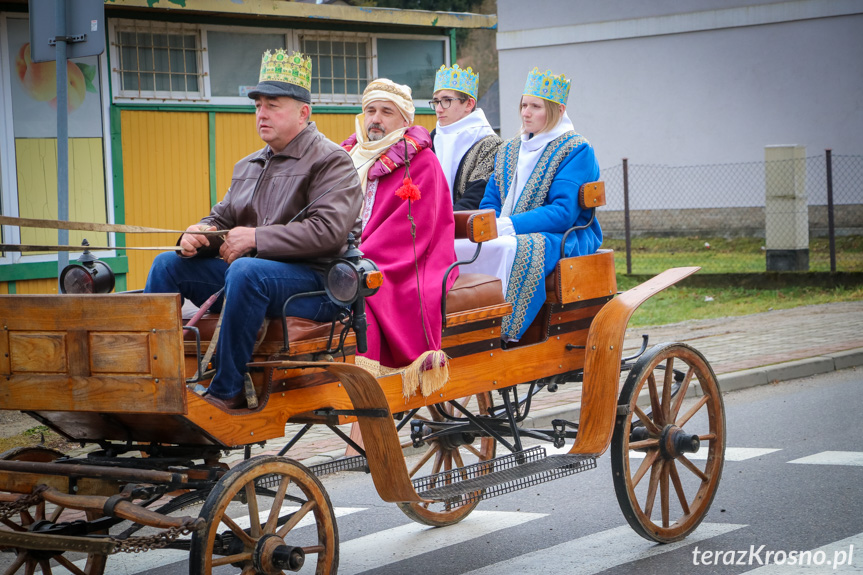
(681, 393)
(692, 411)
(235, 529)
(254, 512)
(228, 559)
(663, 493)
(648, 423)
(61, 559)
(30, 569)
(295, 518)
(691, 467)
(474, 450)
(277, 505)
(40, 510)
(429, 452)
(644, 444)
(645, 465)
(678, 487)
(56, 513)
(19, 560)
(313, 549)
(655, 406)
(11, 525)
(666, 389)
(707, 437)
(655, 471)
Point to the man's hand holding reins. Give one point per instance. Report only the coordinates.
(238, 243)
(190, 242)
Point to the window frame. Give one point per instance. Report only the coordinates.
(121, 96)
(326, 35)
(419, 103)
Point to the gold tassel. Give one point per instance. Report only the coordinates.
(427, 381)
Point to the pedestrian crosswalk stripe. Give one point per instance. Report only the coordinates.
(131, 563)
(833, 458)
(598, 552)
(731, 453)
(385, 547)
(839, 557)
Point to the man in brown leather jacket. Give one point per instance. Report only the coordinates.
(290, 207)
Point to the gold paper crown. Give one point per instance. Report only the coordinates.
(281, 67)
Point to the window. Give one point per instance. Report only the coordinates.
(159, 60)
(340, 67)
(234, 60)
(190, 64)
(413, 62)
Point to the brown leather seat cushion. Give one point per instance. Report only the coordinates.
(472, 291)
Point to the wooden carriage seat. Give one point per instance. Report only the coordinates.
(583, 278)
(470, 292)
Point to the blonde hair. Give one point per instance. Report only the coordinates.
(553, 114)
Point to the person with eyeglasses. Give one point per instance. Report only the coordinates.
(463, 140)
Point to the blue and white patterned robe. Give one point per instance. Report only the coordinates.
(547, 207)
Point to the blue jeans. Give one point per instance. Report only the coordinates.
(254, 289)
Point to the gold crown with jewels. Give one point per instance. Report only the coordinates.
(295, 68)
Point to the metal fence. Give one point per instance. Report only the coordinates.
(796, 214)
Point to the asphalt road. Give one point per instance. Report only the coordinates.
(792, 486)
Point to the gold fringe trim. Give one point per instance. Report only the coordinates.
(426, 381)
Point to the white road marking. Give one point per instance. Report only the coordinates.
(406, 541)
(598, 552)
(131, 563)
(833, 458)
(731, 453)
(842, 557)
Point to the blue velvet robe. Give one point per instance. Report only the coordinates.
(547, 207)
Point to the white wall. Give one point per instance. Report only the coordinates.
(713, 84)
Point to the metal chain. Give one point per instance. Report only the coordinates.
(157, 540)
(8, 509)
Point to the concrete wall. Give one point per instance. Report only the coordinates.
(700, 82)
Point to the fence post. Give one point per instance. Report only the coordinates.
(831, 232)
(626, 216)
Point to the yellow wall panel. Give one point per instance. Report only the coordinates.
(4, 288)
(236, 138)
(166, 179)
(36, 163)
(32, 287)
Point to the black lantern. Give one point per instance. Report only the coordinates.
(87, 275)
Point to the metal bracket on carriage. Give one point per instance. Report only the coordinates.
(559, 434)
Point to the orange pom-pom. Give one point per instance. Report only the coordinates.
(408, 191)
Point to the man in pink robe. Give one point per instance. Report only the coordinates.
(408, 232)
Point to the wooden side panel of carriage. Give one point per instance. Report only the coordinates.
(111, 353)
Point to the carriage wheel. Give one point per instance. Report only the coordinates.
(448, 456)
(285, 496)
(675, 451)
(28, 560)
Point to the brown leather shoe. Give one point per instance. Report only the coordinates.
(236, 402)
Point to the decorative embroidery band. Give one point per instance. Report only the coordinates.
(526, 276)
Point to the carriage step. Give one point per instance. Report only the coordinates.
(358, 463)
(501, 475)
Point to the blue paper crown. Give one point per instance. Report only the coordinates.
(547, 86)
(456, 79)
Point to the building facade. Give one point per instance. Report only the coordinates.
(157, 122)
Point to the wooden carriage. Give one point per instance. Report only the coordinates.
(116, 370)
